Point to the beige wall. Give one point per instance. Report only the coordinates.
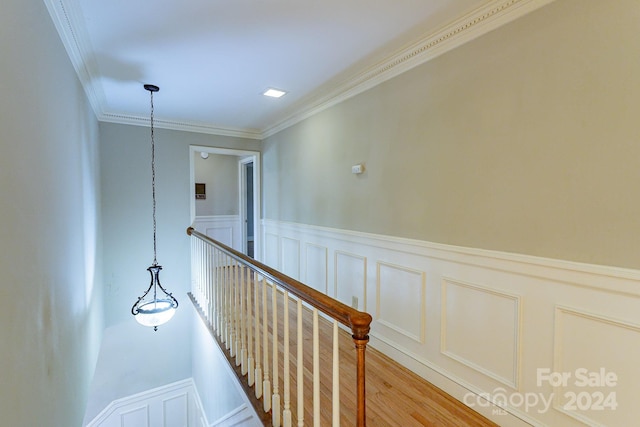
(126, 191)
(220, 174)
(51, 281)
(125, 154)
(525, 140)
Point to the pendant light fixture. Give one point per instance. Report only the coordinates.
(156, 306)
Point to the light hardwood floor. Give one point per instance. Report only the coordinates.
(396, 397)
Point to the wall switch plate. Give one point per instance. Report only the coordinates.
(359, 168)
(354, 302)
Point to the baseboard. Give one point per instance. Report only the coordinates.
(478, 321)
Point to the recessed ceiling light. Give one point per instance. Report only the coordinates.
(274, 93)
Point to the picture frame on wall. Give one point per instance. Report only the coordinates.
(201, 191)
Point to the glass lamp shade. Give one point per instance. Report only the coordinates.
(155, 313)
(156, 306)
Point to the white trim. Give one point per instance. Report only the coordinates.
(187, 385)
(76, 42)
(184, 125)
(223, 228)
(503, 261)
(217, 218)
(242, 182)
(248, 155)
(534, 285)
(560, 312)
(240, 416)
(468, 27)
(421, 337)
(512, 382)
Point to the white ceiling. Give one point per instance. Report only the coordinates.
(212, 59)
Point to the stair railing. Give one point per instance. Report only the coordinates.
(257, 314)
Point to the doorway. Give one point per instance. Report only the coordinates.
(246, 206)
(245, 232)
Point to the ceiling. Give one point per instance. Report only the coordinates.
(213, 59)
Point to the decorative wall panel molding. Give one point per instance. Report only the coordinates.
(223, 228)
(271, 254)
(316, 267)
(241, 416)
(477, 322)
(350, 284)
(481, 329)
(594, 367)
(290, 257)
(176, 404)
(176, 410)
(401, 300)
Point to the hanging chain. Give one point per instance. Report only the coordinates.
(153, 183)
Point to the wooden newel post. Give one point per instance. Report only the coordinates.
(361, 338)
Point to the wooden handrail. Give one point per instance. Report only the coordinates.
(359, 322)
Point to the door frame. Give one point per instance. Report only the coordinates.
(246, 156)
(242, 181)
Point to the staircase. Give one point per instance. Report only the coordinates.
(300, 355)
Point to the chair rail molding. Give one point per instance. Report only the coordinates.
(477, 322)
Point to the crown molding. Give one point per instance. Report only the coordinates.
(187, 126)
(76, 42)
(469, 27)
(482, 20)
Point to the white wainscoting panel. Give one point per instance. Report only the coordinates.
(586, 350)
(404, 287)
(316, 267)
(172, 405)
(290, 260)
(350, 281)
(175, 410)
(243, 416)
(223, 228)
(137, 417)
(480, 323)
(480, 329)
(271, 254)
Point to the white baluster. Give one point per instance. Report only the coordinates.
(258, 375)
(227, 303)
(243, 320)
(203, 280)
(209, 285)
(216, 292)
(233, 312)
(275, 401)
(250, 360)
(286, 415)
(236, 312)
(266, 384)
(223, 299)
(219, 286)
(300, 368)
(335, 397)
(212, 286)
(201, 267)
(316, 371)
(196, 268)
(193, 266)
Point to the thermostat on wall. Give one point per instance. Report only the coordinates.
(359, 168)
